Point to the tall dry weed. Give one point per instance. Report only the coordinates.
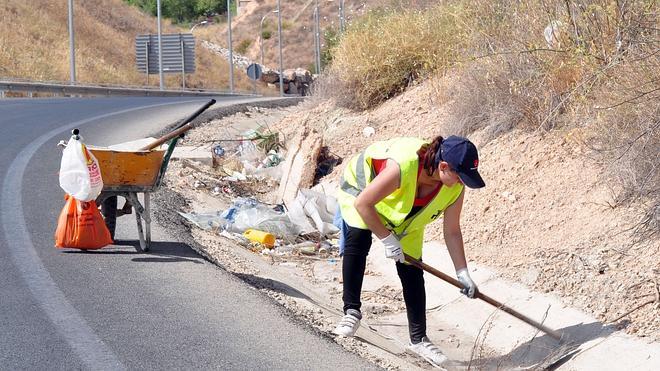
(625, 133)
(385, 51)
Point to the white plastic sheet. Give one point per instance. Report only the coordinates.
(313, 211)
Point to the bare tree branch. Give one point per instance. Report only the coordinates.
(629, 100)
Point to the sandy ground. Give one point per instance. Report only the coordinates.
(543, 220)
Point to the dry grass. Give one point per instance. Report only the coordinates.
(34, 44)
(386, 50)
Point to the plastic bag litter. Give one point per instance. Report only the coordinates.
(273, 172)
(81, 226)
(206, 221)
(80, 174)
(247, 213)
(244, 214)
(313, 211)
(248, 152)
(272, 159)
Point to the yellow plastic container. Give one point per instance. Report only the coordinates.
(260, 236)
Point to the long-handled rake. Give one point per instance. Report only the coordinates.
(419, 264)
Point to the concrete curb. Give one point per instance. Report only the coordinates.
(587, 344)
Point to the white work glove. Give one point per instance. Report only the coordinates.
(469, 287)
(393, 248)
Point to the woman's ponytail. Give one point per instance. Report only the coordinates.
(428, 154)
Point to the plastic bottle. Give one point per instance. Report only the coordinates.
(260, 236)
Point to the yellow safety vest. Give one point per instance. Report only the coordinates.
(394, 208)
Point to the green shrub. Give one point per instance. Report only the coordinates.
(183, 11)
(243, 46)
(332, 38)
(266, 34)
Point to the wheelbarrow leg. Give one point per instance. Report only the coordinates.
(139, 210)
(143, 244)
(109, 211)
(147, 220)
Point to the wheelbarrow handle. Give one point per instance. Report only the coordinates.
(180, 128)
(479, 295)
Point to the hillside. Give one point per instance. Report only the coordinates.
(297, 29)
(34, 44)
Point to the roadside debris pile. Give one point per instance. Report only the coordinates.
(295, 80)
(265, 197)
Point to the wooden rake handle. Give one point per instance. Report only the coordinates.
(479, 295)
(181, 128)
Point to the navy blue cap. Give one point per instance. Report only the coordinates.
(462, 157)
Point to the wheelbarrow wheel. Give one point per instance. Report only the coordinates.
(109, 211)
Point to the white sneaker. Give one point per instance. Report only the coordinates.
(349, 323)
(429, 351)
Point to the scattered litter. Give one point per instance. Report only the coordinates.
(249, 213)
(261, 237)
(272, 172)
(552, 34)
(232, 165)
(272, 159)
(235, 177)
(306, 248)
(313, 211)
(248, 152)
(368, 131)
(217, 153)
(206, 221)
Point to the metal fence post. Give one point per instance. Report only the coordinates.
(279, 36)
(183, 62)
(231, 54)
(72, 45)
(146, 47)
(160, 49)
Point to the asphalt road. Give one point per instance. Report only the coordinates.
(114, 308)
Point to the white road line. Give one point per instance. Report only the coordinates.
(92, 351)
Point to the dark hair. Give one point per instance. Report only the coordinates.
(428, 153)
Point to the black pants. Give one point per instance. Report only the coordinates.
(356, 248)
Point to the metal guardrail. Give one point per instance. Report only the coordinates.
(96, 90)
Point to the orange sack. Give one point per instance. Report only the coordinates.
(81, 226)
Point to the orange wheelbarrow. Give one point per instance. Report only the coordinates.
(129, 173)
